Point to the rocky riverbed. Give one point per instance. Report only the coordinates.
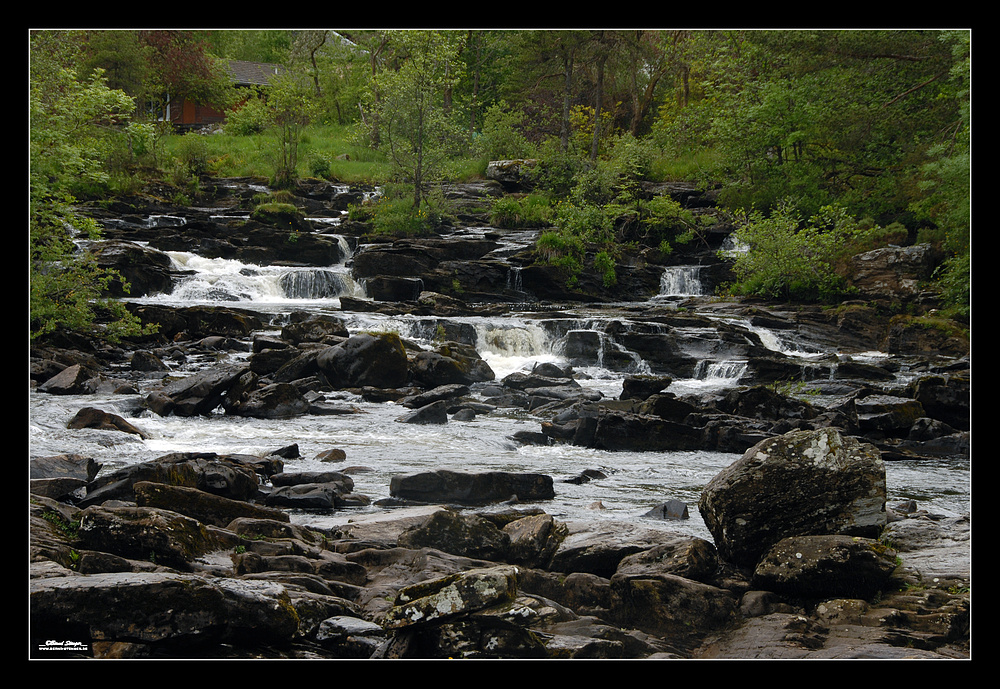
(213, 554)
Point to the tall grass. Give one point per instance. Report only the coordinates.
(324, 151)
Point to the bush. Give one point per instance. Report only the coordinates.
(192, 153)
(278, 214)
(247, 119)
(501, 138)
(397, 218)
(790, 259)
(511, 212)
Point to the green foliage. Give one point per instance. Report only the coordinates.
(564, 250)
(250, 117)
(502, 137)
(517, 212)
(192, 153)
(69, 125)
(791, 259)
(413, 122)
(396, 217)
(604, 263)
(664, 220)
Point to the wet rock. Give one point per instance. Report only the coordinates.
(671, 606)
(63, 466)
(366, 360)
(445, 486)
(467, 535)
(197, 504)
(643, 387)
(90, 417)
(433, 413)
(443, 599)
(160, 610)
(672, 509)
(224, 476)
(801, 483)
(196, 395)
(826, 567)
(69, 381)
(144, 533)
(327, 329)
(598, 548)
(534, 540)
(146, 270)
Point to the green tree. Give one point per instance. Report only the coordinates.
(945, 181)
(290, 105)
(820, 116)
(791, 258)
(67, 119)
(413, 117)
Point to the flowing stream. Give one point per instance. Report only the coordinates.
(378, 447)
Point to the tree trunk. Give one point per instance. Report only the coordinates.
(598, 98)
(567, 94)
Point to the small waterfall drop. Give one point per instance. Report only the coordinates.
(226, 280)
(681, 281)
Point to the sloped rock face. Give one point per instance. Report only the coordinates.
(894, 271)
(801, 483)
(826, 566)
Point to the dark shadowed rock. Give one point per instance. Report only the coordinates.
(826, 567)
(471, 489)
(377, 360)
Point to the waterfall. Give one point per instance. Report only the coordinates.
(720, 372)
(317, 284)
(511, 346)
(217, 279)
(514, 280)
(681, 281)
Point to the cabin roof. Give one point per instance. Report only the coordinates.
(253, 73)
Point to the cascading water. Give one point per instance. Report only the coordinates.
(681, 281)
(224, 280)
(383, 448)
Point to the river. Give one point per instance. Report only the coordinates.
(378, 447)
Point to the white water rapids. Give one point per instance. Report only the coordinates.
(378, 447)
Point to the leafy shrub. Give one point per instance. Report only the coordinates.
(791, 259)
(512, 212)
(397, 217)
(604, 263)
(501, 137)
(192, 153)
(247, 119)
(278, 214)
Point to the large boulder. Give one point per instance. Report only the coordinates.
(315, 329)
(196, 395)
(825, 567)
(436, 601)
(214, 510)
(159, 610)
(801, 483)
(140, 533)
(224, 476)
(376, 360)
(445, 486)
(145, 270)
(467, 535)
(893, 272)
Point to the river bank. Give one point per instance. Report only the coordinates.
(621, 405)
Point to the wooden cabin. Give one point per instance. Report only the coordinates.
(187, 114)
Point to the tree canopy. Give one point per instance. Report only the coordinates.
(788, 124)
